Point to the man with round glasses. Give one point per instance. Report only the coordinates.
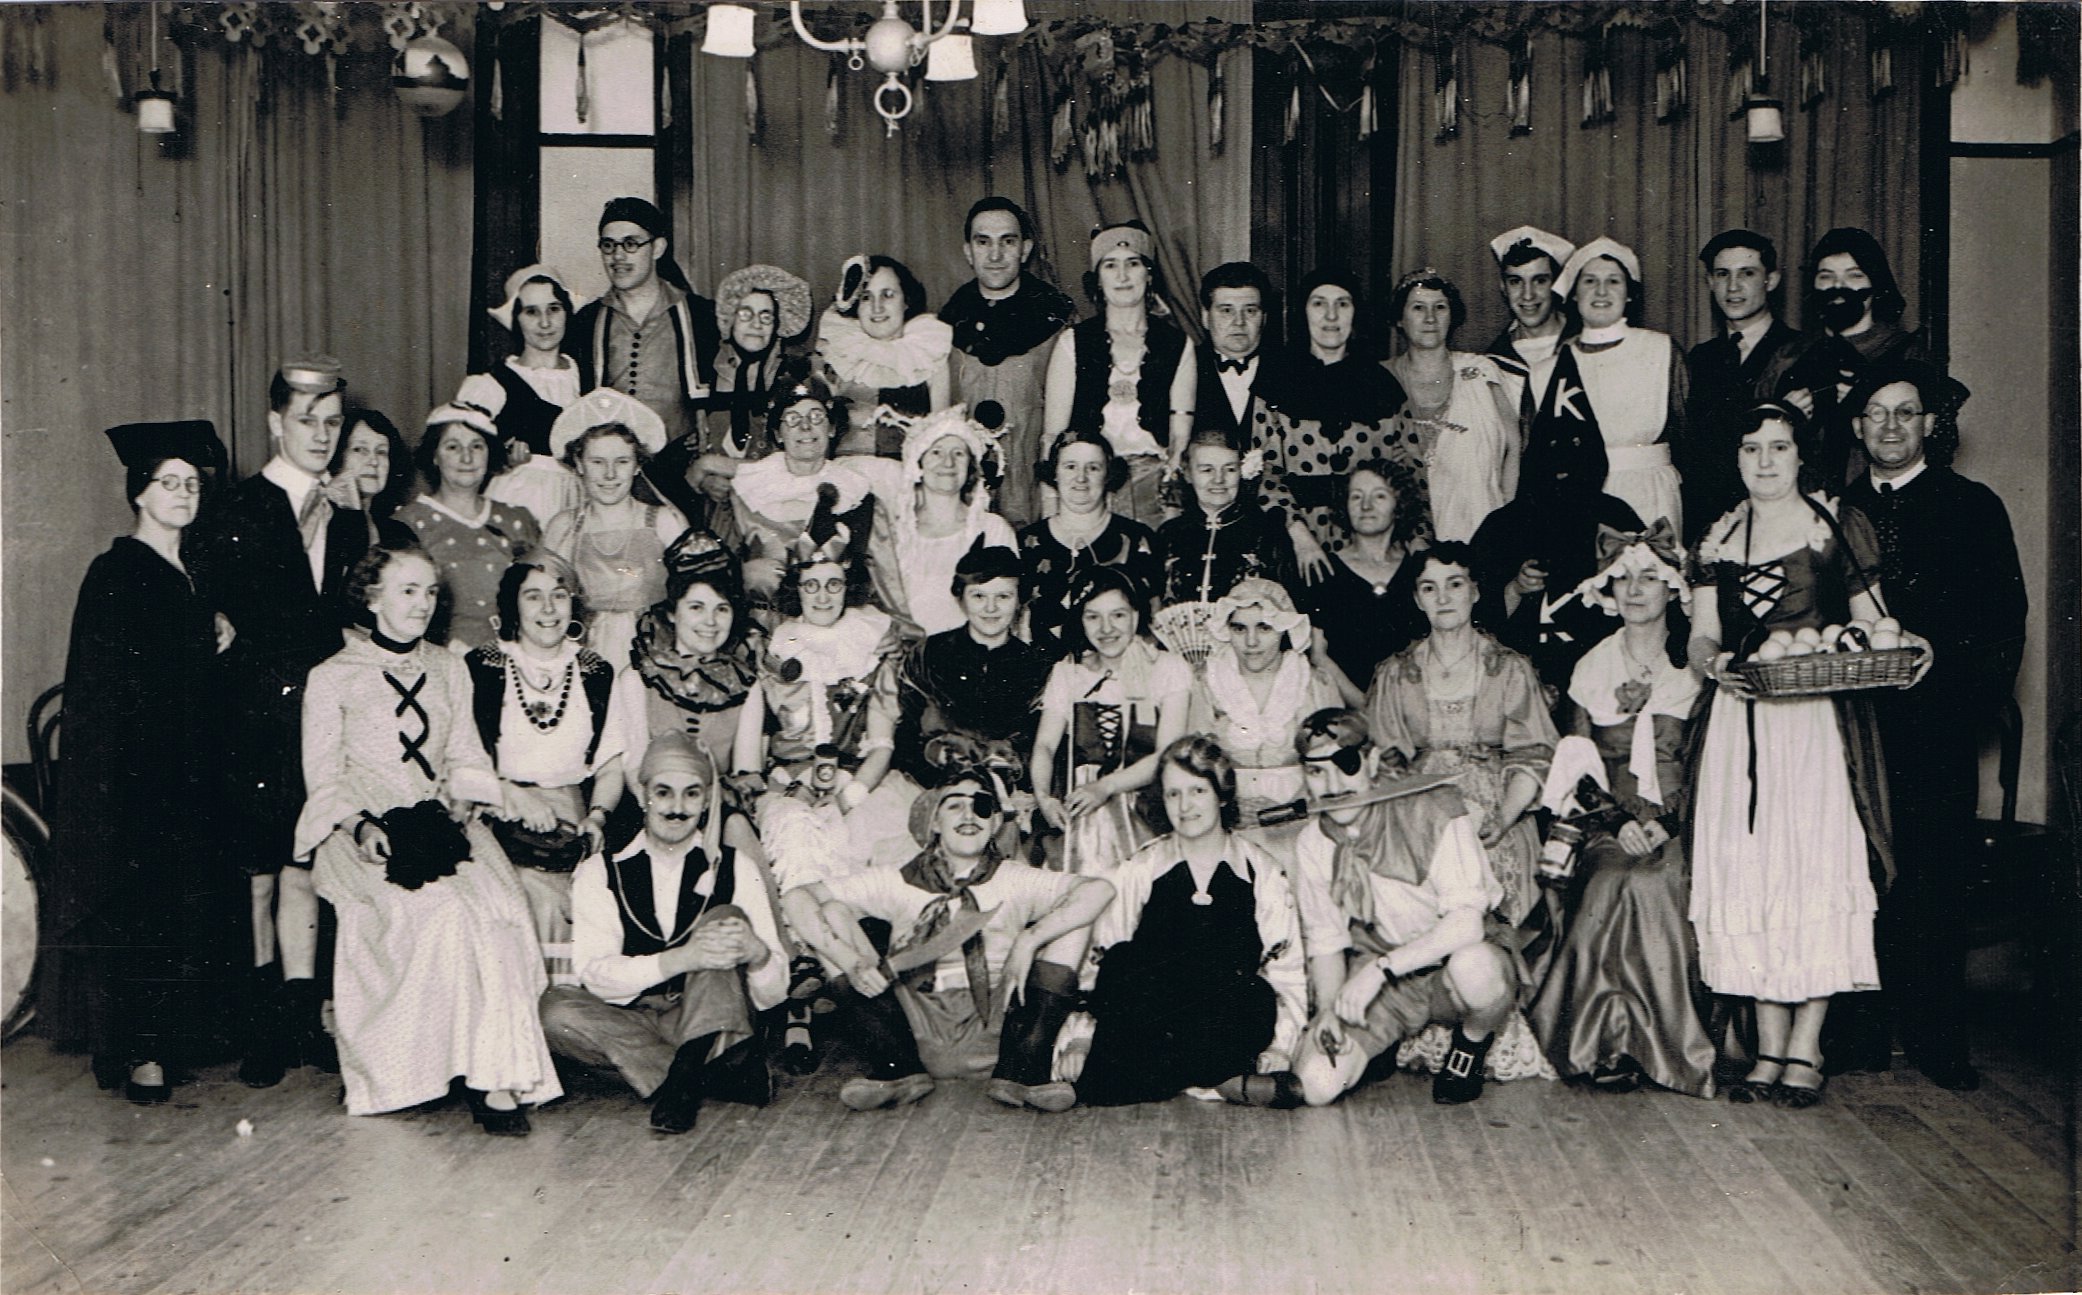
(650, 335)
(1948, 564)
(940, 960)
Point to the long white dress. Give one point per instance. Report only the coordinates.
(438, 982)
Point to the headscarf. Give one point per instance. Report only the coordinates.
(506, 311)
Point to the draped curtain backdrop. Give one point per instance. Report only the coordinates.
(1661, 188)
(148, 280)
(798, 199)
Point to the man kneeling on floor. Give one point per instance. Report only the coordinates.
(941, 961)
(1393, 898)
(675, 945)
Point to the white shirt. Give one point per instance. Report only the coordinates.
(298, 485)
(1750, 332)
(1898, 480)
(1459, 877)
(1237, 386)
(596, 926)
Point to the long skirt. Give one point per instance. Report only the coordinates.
(1782, 896)
(434, 983)
(1625, 980)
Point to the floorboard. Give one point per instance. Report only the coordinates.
(1891, 1185)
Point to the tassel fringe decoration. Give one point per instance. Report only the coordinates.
(1445, 90)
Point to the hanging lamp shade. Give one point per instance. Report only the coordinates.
(155, 109)
(1765, 120)
(999, 18)
(951, 58)
(729, 31)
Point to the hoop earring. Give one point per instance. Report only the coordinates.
(575, 631)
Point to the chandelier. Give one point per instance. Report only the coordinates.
(890, 46)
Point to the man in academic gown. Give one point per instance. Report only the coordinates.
(272, 555)
(1949, 571)
(1005, 322)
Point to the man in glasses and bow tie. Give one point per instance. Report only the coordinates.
(273, 557)
(956, 965)
(1397, 915)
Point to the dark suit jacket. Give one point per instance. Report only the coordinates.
(249, 564)
(1949, 571)
(1211, 404)
(1723, 386)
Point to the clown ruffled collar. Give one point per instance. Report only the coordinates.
(698, 684)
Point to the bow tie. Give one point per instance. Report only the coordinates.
(1223, 364)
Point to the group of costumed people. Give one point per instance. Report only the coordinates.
(1081, 707)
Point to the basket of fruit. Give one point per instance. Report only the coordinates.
(1836, 658)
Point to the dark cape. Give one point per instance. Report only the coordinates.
(144, 917)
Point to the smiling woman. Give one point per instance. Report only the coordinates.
(471, 538)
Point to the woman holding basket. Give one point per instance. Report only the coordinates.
(1790, 843)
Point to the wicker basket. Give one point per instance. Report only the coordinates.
(1827, 672)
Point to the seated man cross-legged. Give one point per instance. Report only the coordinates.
(675, 945)
(959, 988)
(1394, 898)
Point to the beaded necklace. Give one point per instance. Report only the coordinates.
(537, 710)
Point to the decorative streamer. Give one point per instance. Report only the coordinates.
(1369, 111)
(1814, 65)
(664, 103)
(1597, 80)
(1672, 79)
(752, 100)
(1217, 105)
(1518, 94)
(1294, 112)
(1001, 99)
(1061, 137)
(833, 70)
(498, 90)
(584, 103)
(1879, 62)
(110, 67)
(1445, 89)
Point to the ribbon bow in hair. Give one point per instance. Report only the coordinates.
(1656, 546)
(1659, 539)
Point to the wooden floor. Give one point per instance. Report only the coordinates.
(1891, 1185)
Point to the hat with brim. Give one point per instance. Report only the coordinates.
(1565, 282)
(791, 298)
(603, 405)
(469, 416)
(318, 375)
(504, 312)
